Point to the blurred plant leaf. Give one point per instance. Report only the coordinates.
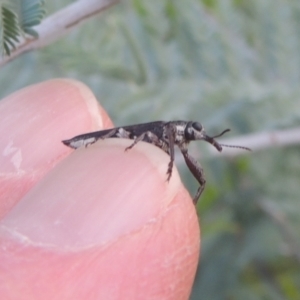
(9, 30)
(30, 13)
(17, 18)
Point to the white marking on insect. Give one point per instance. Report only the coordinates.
(122, 133)
(79, 143)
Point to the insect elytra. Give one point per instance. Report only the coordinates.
(164, 135)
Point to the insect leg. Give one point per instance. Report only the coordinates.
(197, 171)
(109, 134)
(165, 145)
(151, 137)
(170, 131)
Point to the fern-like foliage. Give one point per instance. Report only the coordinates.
(30, 13)
(9, 30)
(17, 19)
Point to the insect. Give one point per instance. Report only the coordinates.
(164, 135)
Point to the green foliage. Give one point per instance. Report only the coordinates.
(9, 30)
(30, 13)
(17, 19)
(229, 64)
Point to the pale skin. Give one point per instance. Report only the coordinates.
(95, 223)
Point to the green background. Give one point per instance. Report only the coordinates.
(226, 63)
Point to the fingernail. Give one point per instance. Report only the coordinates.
(95, 195)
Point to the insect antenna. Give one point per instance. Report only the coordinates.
(235, 146)
(220, 134)
(230, 146)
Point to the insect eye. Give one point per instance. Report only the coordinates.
(197, 126)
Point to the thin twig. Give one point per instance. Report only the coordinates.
(60, 23)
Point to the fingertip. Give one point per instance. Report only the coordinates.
(87, 104)
(117, 207)
(34, 120)
(109, 183)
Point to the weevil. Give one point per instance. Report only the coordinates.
(164, 135)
